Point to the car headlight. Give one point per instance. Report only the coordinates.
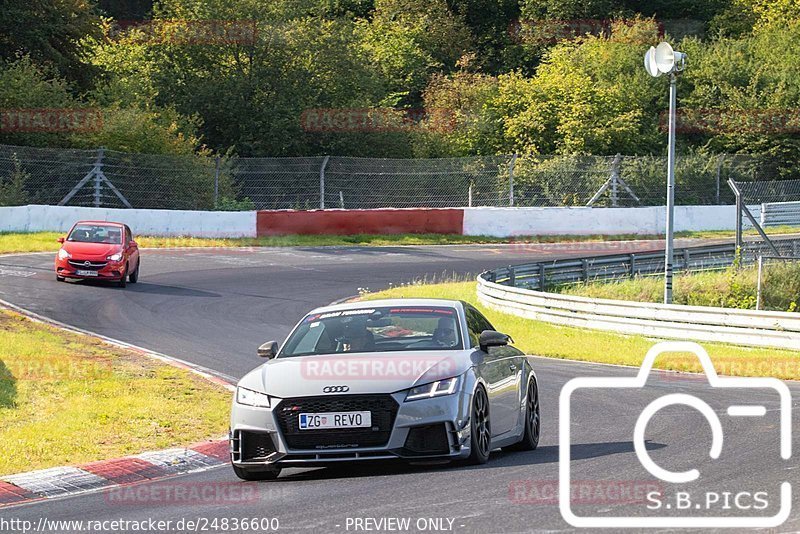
(63, 254)
(115, 257)
(248, 397)
(434, 389)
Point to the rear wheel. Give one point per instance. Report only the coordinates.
(134, 276)
(246, 474)
(480, 429)
(533, 422)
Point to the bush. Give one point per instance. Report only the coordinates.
(12, 189)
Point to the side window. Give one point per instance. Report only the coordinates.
(128, 236)
(476, 323)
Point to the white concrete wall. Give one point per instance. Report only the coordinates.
(142, 222)
(507, 222)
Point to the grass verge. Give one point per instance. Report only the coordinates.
(731, 288)
(554, 341)
(46, 241)
(71, 399)
(11, 242)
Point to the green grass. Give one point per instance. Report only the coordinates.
(70, 399)
(732, 288)
(554, 341)
(46, 241)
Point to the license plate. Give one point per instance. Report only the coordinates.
(314, 421)
(86, 273)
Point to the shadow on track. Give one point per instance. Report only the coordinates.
(152, 289)
(542, 455)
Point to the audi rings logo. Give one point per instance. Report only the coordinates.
(336, 389)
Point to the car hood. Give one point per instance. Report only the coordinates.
(91, 251)
(373, 372)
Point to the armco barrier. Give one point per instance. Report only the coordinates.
(699, 323)
(377, 221)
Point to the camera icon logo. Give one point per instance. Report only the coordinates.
(639, 381)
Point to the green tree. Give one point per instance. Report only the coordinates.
(51, 32)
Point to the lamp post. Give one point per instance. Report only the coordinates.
(657, 61)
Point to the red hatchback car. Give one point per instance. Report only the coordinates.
(98, 250)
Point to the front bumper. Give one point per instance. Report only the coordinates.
(427, 429)
(106, 270)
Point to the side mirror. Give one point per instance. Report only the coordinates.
(61, 240)
(268, 350)
(490, 338)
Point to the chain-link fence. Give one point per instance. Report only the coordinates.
(118, 179)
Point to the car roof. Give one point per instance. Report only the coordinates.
(109, 223)
(445, 303)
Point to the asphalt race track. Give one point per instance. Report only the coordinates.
(213, 307)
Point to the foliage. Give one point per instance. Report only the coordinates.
(51, 32)
(12, 189)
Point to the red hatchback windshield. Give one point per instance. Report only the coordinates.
(96, 233)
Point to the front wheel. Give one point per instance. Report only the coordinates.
(245, 474)
(134, 276)
(480, 429)
(121, 282)
(533, 421)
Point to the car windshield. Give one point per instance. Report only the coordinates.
(385, 329)
(96, 233)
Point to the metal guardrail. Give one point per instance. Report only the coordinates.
(542, 275)
(520, 290)
(780, 214)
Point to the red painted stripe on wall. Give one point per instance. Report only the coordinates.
(348, 222)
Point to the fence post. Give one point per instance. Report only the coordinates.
(98, 180)
(615, 164)
(512, 276)
(469, 195)
(322, 182)
(585, 270)
(719, 172)
(216, 181)
(633, 265)
(758, 287)
(542, 284)
(511, 180)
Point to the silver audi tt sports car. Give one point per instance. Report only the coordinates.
(419, 379)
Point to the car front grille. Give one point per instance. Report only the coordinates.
(92, 266)
(382, 407)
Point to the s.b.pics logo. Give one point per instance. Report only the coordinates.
(720, 449)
